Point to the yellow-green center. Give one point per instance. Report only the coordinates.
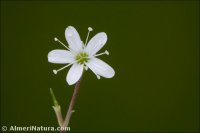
(81, 58)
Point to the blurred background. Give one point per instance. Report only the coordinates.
(154, 49)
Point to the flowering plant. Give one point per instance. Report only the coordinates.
(80, 56)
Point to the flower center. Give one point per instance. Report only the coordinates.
(81, 58)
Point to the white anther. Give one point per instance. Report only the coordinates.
(57, 40)
(55, 72)
(106, 52)
(98, 77)
(90, 29)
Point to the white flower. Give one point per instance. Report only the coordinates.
(81, 56)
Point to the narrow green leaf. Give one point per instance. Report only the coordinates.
(54, 98)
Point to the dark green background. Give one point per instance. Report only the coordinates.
(154, 48)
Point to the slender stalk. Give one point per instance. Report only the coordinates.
(72, 102)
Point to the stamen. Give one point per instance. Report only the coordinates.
(89, 29)
(106, 52)
(56, 39)
(98, 77)
(56, 71)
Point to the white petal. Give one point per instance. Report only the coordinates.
(96, 43)
(73, 39)
(74, 74)
(101, 68)
(60, 56)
